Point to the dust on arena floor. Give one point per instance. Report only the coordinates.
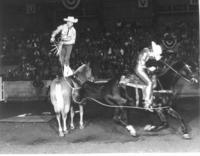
(100, 135)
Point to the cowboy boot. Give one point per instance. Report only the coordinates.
(148, 105)
(70, 71)
(67, 71)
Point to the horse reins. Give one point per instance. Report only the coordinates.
(175, 71)
(73, 88)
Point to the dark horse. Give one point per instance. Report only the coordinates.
(79, 88)
(109, 95)
(167, 81)
(165, 93)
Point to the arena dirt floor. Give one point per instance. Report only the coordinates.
(101, 134)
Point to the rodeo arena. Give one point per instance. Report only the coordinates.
(99, 76)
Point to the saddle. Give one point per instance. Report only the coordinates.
(132, 80)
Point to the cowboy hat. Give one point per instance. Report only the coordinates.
(156, 48)
(71, 19)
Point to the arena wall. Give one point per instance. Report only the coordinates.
(25, 91)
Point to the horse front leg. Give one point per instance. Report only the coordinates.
(124, 87)
(177, 116)
(108, 99)
(162, 117)
(81, 116)
(119, 101)
(161, 126)
(120, 116)
(116, 114)
(72, 118)
(123, 120)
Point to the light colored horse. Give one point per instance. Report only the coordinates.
(62, 91)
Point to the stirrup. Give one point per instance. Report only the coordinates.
(148, 105)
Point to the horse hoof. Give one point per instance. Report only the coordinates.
(152, 128)
(149, 127)
(133, 134)
(116, 119)
(66, 132)
(61, 134)
(72, 127)
(186, 136)
(131, 130)
(81, 126)
(161, 127)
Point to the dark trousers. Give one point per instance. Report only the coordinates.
(65, 54)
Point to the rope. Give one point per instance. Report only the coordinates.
(73, 88)
(176, 72)
(111, 106)
(56, 48)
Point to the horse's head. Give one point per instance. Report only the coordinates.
(84, 73)
(180, 69)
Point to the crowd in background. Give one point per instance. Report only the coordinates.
(107, 49)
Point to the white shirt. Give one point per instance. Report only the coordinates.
(68, 35)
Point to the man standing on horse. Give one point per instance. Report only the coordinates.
(147, 53)
(68, 38)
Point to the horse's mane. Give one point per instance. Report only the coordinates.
(80, 73)
(98, 89)
(169, 77)
(81, 69)
(177, 65)
(114, 79)
(98, 86)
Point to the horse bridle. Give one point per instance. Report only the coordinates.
(176, 71)
(72, 87)
(76, 79)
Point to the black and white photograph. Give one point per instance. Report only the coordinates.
(99, 77)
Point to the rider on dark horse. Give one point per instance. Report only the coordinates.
(147, 53)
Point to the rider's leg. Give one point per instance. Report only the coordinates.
(62, 55)
(148, 89)
(67, 70)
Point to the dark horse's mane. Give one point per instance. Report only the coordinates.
(169, 78)
(110, 82)
(96, 90)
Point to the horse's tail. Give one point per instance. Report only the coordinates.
(57, 98)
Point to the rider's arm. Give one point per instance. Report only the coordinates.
(55, 32)
(142, 59)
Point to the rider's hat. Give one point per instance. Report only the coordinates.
(71, 19)
(156, 48)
